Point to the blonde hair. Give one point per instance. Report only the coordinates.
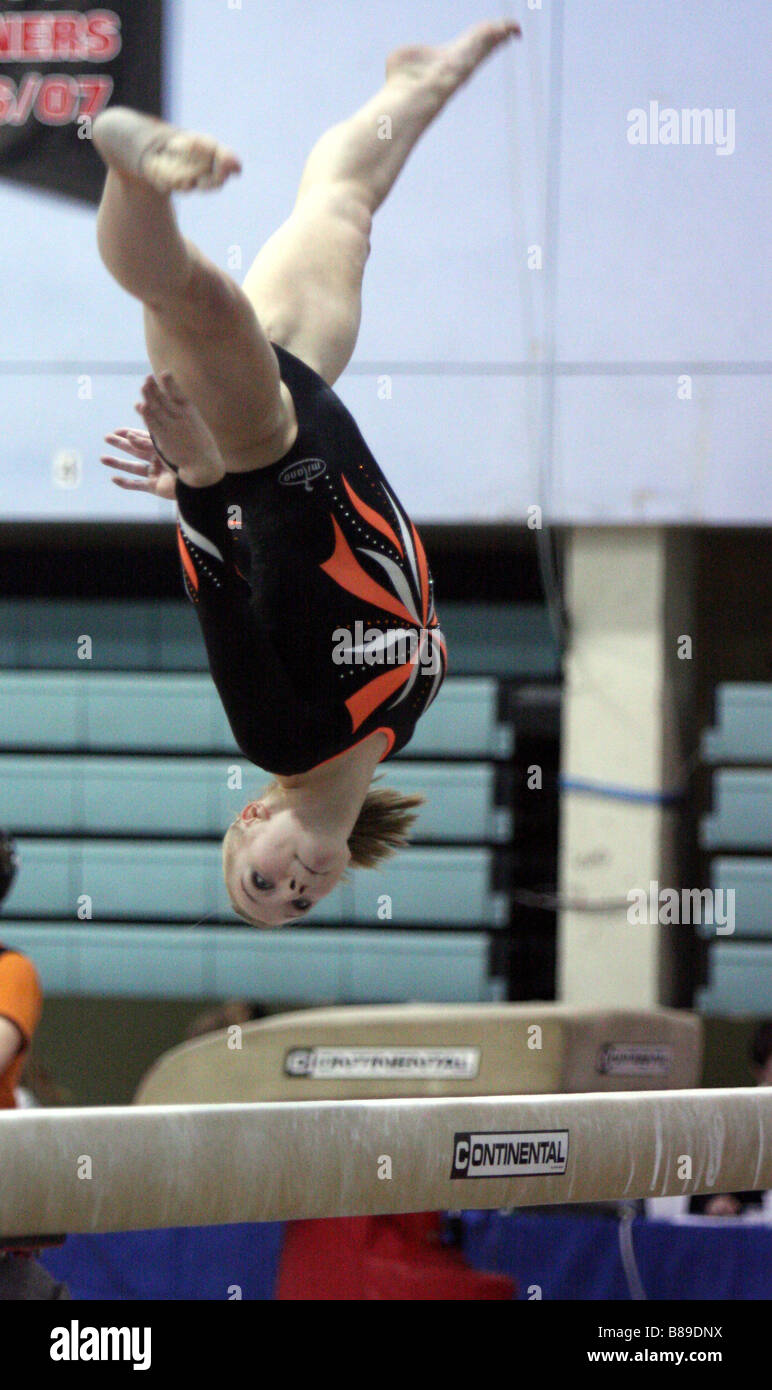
(380, 830)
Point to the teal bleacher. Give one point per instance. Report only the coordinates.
(144, 712)
(738, 835)
(743, 729)
(301, 967)
(505, 640)
(187, 796)
(157, 880)
(742, 810)
(118, 775)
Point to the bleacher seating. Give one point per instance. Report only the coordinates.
(742, 815)
(303, 966)
(743, 731)
(143, 713)
(751, 882)
(740, 963)
(118, 775)
(188, 796)
(504, 640)
(739, 980)
(142, 880)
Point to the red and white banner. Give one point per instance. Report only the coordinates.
(60, 65)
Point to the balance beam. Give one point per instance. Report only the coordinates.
(135, 1167)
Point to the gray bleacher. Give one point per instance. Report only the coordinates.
(118, 774)
(740, 965)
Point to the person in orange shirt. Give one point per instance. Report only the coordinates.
(21, 1004)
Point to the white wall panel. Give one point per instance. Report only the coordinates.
(655, 262)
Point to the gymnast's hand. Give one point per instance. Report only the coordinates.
(177, 438)
(179, 432)
(150, 474)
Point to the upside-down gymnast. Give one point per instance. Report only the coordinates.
(306, 572)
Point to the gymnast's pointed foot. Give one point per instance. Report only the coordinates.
(452, 63)
(170, 160)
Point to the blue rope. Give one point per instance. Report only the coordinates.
(653, 798)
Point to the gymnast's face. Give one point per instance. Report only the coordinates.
(279, 869)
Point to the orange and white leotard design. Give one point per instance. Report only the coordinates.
(314, 593)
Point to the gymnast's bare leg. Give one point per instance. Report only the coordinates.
(304, 289)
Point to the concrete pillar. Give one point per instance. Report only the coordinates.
(629, 597)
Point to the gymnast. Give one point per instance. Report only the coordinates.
(309, 579)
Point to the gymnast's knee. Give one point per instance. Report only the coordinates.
(211, 304)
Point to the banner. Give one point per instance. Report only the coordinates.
(60, 65)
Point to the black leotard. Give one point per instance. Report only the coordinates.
(285, 561)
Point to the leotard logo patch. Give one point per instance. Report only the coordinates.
(305, 471)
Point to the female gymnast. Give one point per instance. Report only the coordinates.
(310, 580)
